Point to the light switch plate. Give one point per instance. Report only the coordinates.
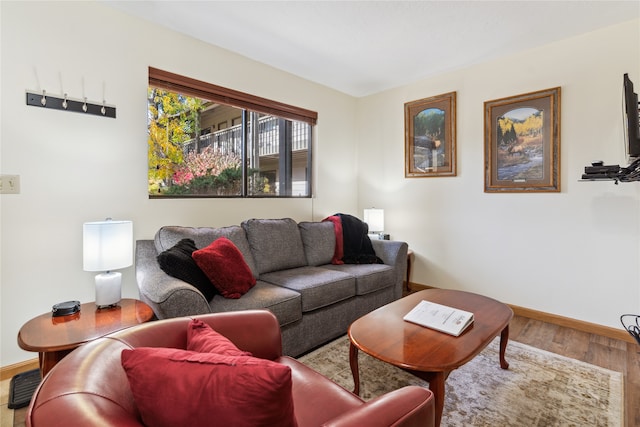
(9, 184)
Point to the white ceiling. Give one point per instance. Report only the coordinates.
(364, 47)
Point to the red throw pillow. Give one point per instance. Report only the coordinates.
(178, 262)
(223, 263)
(337, 228)
(173, 387)
(203, 339)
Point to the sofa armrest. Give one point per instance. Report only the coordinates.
(393, 253)
(410, 406)
(167, 296)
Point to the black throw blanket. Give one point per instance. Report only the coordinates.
(357, 246)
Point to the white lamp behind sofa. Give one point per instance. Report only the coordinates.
(375, 220)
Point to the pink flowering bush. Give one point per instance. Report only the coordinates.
(206, 162)
(202, 172)
(182, 177)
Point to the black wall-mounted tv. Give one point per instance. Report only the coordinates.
(631, 119)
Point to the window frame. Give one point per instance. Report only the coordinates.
(211, 92)
(247, 102)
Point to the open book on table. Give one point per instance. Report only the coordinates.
(442, 318)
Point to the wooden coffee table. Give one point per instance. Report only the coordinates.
(55, 337)
(426, 353)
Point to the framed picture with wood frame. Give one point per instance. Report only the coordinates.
(430, 137)
(522, 143)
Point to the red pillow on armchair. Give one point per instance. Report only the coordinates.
(223, 263)
(174, 387)
(204, 339)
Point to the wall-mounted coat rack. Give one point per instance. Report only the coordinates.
(64, 103)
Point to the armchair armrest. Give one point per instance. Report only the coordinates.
(410, 406)
(167, 296)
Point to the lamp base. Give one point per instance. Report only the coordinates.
(108, 289)
(378, 236)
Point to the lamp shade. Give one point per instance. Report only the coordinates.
(374, 219)
(107, 245)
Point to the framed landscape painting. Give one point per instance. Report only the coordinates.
(522, 143)
(430, 136)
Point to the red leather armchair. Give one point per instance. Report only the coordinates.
(89, 387)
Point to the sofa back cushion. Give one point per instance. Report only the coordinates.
(168, 236)
(319, 240)
(275, 244)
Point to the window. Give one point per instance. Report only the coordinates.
(209, 141)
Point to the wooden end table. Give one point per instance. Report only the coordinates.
(55, 337)
(425, 353)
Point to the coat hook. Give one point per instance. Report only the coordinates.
(40, 98)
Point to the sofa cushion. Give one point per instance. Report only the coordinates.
(202, 338)
(319, 240)
(178, 262)
(224, 265)
(369, 277)
(275, 244)
(168, 236)
(284, 303)
(174, 387)
(319, 287)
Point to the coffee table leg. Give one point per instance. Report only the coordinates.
(355, 372)
(436, 385)
(504, 338)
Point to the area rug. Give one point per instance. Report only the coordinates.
(538, 389)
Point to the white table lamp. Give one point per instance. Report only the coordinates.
(375, 220)
(107, 246)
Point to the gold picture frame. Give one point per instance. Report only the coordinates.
(522, 143)
(430, 137)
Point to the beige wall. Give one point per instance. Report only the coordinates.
(573, 253)
(75, 168)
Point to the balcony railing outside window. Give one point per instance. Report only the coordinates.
(229, 140)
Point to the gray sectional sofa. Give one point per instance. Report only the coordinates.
(313, 299)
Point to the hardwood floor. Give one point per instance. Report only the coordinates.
(608, 353)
